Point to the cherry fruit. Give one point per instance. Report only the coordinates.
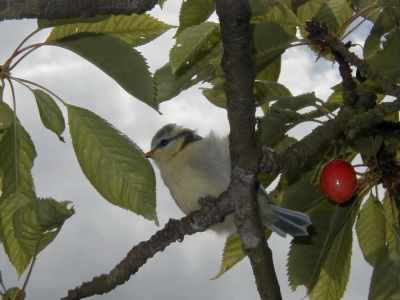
(338, 180)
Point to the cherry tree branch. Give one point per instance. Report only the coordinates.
(175, 230)
(62, 9)
(234, 18)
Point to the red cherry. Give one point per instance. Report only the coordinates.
(338, 180)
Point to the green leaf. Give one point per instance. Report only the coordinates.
(6, 117)
(387, 61)
(233, 253)
(113, 163)
(387, 20)
(50, 113)
(270, 40)
(135, 29)
(307, 254)
(266, 91)
(259, 7)
(281, 14)
(385, 277)
(216, 95)
(13, 294)
(171, 84)
(334, 274)
(194, 12)
(365, 141)
(189, 43)
(37, 223)
(53, 23)
(126, 66)
(17, 153)
(371, 230)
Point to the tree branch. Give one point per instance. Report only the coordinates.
(347, 118)
(62, 9)
(234, 18)
(174, 230)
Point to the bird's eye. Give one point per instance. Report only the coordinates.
(164, 142)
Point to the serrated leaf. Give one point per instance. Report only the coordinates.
(135, 29)
(385, 277)
(189, 43)
(335, 272)
(387, 61)
(50, 114)
(113, 163)
(233, 253)
(126, 66)
(194, 12)
(6, 118)
(17, 153)
(169, 84)
(42, 23)
(307, 254)
(371, 230)
(37, 223)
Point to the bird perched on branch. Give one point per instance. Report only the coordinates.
(193, 167)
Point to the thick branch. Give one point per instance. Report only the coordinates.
(234, 18)
(174, 230)
(62, 9)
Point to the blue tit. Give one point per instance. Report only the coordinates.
(192, 167)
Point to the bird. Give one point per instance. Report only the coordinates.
(194, 167)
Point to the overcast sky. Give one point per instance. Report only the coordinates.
(99, 235)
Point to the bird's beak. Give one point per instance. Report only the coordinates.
(149, 154)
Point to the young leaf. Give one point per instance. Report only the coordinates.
(135, 29)
(334, 275)
(50, 113)
(189, 43)
(17, 153)
(371, 230)
(259, 7)
(113, 163)
(37, 223)
(13, 293)
(216, 95)
(117, 59)
(194, 12)
(233, 253)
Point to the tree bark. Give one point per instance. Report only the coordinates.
(234, 18)
(62, 9)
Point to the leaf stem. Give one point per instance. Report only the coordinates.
(17, 50)
(24, 81)
(31, 49)
(30, 268)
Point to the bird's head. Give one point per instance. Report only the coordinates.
(169, 141)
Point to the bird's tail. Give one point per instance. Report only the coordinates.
(290, 222)
(281, 220)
